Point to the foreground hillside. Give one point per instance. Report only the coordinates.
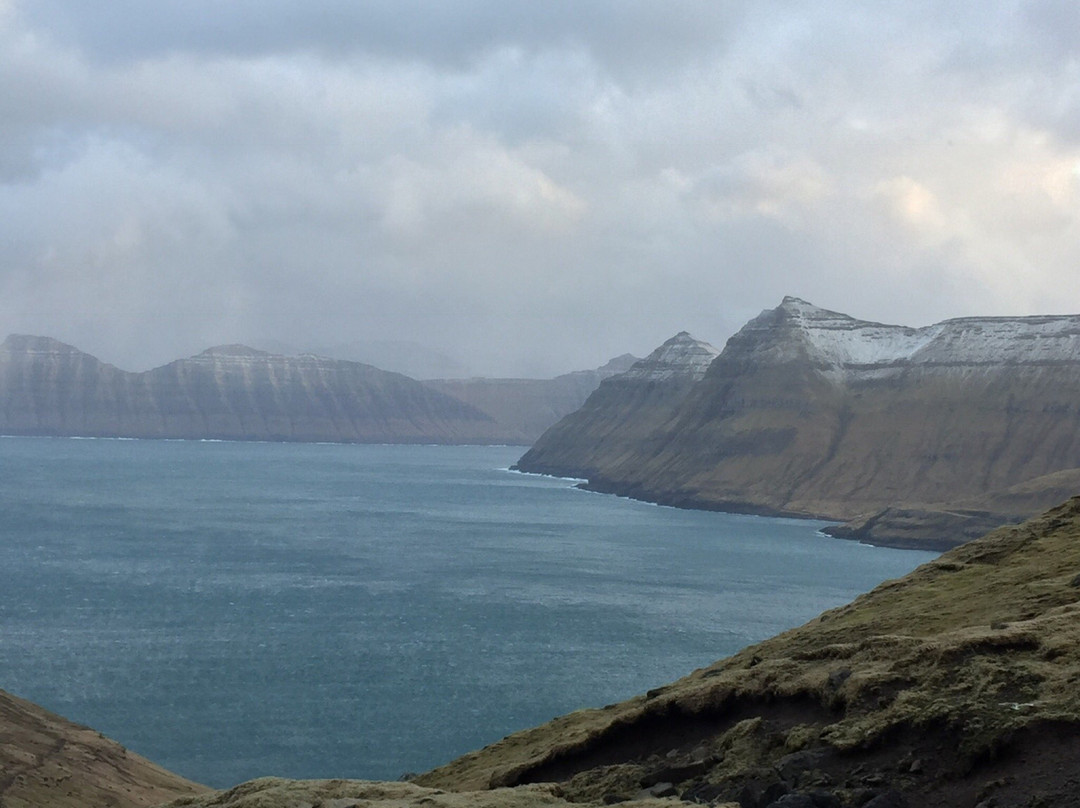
(46, 760)
(931, 435)
(230, 393)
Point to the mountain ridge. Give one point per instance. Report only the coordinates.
(807, 412)
(228, 392)
(237, 392)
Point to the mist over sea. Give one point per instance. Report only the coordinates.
(233, 610)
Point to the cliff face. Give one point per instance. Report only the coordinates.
(231, 392)
(525, 408)
(810, 412)
(626, 416)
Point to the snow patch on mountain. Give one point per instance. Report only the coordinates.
(681, 357)
(839, 343)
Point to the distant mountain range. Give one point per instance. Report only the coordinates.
(530, 406)
(239, 393)
(920, 437)
(398, 356)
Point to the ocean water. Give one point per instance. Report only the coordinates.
(233, 610)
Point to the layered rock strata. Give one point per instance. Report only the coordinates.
(229, 393)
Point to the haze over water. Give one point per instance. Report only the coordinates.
(235, 610)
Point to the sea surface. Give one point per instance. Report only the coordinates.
(233, 610)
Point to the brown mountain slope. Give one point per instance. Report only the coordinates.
(46, 760)
(625, 418)
(954, 686)
(810, 412)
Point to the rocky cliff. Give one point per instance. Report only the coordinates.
(231, 392)
(628, 414)
(813, 413)
(526, 408)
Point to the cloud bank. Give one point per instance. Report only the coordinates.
(529, 188)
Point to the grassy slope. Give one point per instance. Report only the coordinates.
(46, 760)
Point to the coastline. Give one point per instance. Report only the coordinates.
(919, 528)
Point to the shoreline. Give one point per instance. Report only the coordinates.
(858, 529)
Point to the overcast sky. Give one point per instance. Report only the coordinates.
(530, 188)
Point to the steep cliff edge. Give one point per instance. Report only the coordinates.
(229, 392)
(814, 413)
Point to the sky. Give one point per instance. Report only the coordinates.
(528, 188)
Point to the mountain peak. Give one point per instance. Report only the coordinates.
(29, 343)
(682, 356)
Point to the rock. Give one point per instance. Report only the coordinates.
(824, 799)
(793, 801)
(756, 795)
(675, 773)
(861, 796)
(622, 410)
(705, 793)
(658, 790)
(792, 767)
(701, 754)
(890, 799)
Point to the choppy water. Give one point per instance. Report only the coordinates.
(234, 610)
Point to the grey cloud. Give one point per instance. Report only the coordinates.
(529, 188)
(445, 33)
